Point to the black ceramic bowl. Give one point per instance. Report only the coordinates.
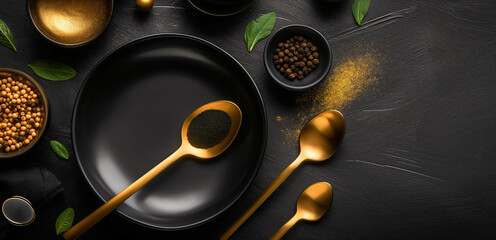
(220, 7)
(317, 74)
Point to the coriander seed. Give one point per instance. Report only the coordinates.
(19, 105)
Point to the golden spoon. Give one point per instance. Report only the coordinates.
(319, 140)
(311, 206)
(186, 148)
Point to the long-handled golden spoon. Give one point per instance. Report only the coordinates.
(319, 140)
(186, 148)
(311, 206)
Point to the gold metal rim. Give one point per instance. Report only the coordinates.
(14, 222)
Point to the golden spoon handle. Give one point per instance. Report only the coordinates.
(261, 199)
(284, 229)
(88, 222)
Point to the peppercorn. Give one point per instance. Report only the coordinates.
(294, 58)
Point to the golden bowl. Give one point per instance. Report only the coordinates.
(70, 23)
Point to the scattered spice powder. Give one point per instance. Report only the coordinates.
(351, 78)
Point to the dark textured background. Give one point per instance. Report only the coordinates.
(418, 158)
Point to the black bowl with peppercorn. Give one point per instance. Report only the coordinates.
(24, 112)
(297, 57)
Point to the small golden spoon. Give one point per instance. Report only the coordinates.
(319, 140)
(311, 206)
(185, 149)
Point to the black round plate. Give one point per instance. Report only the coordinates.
(317, 75)
(128, 117)
(221, 7)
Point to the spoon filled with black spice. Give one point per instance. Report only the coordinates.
(206, 133)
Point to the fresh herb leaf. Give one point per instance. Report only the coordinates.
(360, 8)
(64, 221)
(51, 70)
(259, 29)
(6, 37)
(59, 149)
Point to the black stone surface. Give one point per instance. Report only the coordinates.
(418, 158)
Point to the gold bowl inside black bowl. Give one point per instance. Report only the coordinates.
(37, 89)
(70, 23)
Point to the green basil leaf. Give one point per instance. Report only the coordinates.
(259, 29)
(51, 70)
(59, 149)
(360, 8)
(64, 221)
(6, 37)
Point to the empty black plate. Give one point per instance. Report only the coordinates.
(128, 117)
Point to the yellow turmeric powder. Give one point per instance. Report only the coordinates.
(350, 79)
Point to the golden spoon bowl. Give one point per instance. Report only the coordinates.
(322, 136)
(311, 206)
(185, 149)
(232, 110)
(70, 23)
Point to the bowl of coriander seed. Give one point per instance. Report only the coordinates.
(24, 112)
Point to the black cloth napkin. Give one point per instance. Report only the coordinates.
(33, 182)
